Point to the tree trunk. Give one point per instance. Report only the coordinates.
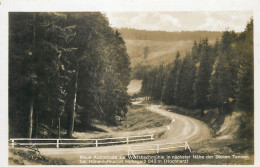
(72, 108)
(219, 111)
(202, 111)
(59, 127)
(52, 122)
(30, 130)
(30, 118)
(36, 124)
(222, 110)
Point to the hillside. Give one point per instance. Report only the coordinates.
(157, 51)
(156, 47)
(135, 34)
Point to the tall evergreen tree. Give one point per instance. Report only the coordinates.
(185, 91)
(245, 80)
(171, 85)
(68, 64)
(204, 69)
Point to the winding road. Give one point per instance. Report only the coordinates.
(182, 129)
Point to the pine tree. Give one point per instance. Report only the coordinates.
(65, 64)
(171, 85)
(204, 69)
(185, 92)
(245, 81)
(221, 83)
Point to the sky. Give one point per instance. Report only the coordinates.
(181, 21)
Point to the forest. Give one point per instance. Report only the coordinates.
(65, 70)
(218, 75)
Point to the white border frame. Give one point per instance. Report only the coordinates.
(117, 5)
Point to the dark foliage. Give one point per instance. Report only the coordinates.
(210, 76)
(65, 67)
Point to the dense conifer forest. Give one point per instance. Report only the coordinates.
(219, 75)
(65, 69)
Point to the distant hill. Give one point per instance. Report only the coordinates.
(152, 48)
(156, 47)
(151, 52)
(133, 34)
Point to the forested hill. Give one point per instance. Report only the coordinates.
(65, 69)
(218, 75)
(134, 34)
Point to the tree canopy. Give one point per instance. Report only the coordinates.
(65, 68)
(210, 75)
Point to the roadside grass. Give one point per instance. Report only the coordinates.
(138, 121)
(29, 157)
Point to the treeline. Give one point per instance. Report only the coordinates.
(138, 71)
(209, 76)
(134, 34)
(65, 69)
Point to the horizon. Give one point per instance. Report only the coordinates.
(170, 31)
(178, 21)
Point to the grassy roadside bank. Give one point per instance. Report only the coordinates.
(138, 121)
(29, 157)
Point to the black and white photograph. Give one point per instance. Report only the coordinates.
(124, 87)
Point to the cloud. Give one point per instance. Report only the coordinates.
(220, 21)
(155, 21)
(181, 21)
(145, 20)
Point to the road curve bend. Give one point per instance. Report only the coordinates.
(182, 129)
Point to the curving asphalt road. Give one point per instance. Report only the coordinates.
(182, 128)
